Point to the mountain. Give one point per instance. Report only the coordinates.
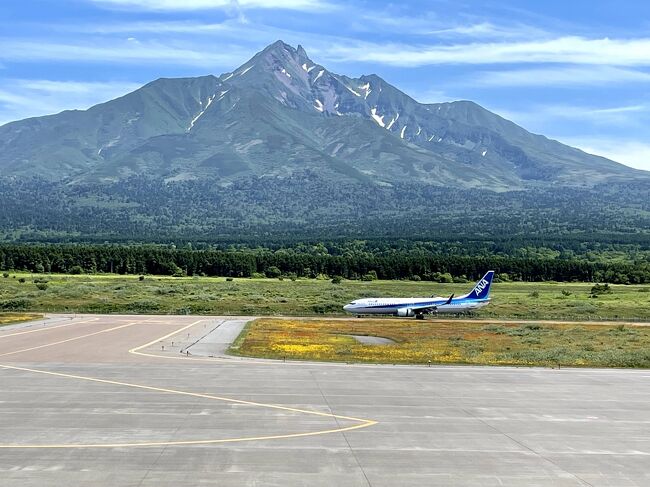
(281, 115)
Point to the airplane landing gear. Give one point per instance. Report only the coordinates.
(419, 316)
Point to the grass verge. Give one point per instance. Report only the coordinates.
(109, 293)
(11, 318)
(448, 342)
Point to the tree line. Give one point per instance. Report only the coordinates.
(307, 262)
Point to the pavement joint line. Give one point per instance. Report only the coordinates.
(347, 442)
(136, 350)
(45, 328)
(69, 339)
(202, 337)
(521, 444)
(363, 423)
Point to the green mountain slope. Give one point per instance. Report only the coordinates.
(281, 114)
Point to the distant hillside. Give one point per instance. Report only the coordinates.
(281, 114)
(283, 149)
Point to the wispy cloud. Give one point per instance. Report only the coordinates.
(537, 115)
(20, 98)
(127, 51)
(433, 96)
(489, 30)
(189, 5)
(633, 153)
(568, 50)
(560, 76)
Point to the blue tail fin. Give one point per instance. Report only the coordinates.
(482, 288)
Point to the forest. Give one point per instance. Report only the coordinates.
(306, 226)
(272, 212)
(310, 261)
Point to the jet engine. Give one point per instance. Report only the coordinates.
(405, 312)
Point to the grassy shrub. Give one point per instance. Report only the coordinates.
(598, 289)
(326, 308)
(272, 272)
(15, 304)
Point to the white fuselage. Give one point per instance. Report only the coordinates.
(400, 306)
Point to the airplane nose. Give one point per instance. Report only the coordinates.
(347, 307)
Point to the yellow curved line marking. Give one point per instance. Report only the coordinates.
(69, 339)
(363, 423)
(45, 328)
(135, 350)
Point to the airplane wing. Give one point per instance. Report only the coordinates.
(429, 309)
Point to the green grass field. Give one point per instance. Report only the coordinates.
(127, 294)
(447, 342)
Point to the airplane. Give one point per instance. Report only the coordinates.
(418, 307)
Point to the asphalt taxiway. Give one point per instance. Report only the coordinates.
(152, 401)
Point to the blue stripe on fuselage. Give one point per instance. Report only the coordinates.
(426, 304)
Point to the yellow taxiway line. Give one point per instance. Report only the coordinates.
(136, 350)
(362, 423)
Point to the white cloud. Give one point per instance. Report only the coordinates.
(433, 96)
(542, 117)
(119, 52)
(568, 50)
(560, 76)
(31, 98)
(488, 30)
(632, 153)
(188, 5)
(155, 27)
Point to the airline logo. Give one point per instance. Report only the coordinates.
(480, 286)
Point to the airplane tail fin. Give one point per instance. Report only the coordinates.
(482, 288)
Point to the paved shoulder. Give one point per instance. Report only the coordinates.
(216, 341)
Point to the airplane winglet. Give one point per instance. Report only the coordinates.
(449, 300)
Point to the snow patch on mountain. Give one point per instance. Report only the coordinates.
(393, 120)
(110, 143)
(377, 118)
(208, 103)
(351, 90)
(244, 71)
(367, 89)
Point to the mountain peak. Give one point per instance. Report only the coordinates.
(277, 46)
(281, 113)
(280, 50)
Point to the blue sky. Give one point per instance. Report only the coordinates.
(574, 70)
